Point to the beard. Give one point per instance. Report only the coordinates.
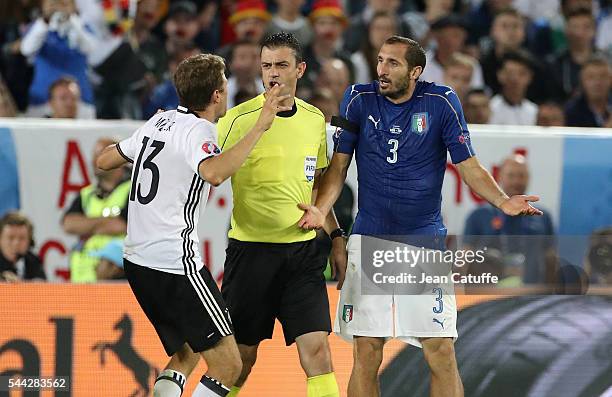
(401, 90)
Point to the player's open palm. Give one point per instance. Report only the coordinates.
(312, 218)
(273, 105)
(520, 205)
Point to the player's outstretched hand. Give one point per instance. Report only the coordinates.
(519, 205)
(272, 106)
(312, 218)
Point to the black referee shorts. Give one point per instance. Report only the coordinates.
(265, 281)
(183, 309)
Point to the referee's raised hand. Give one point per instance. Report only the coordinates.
(272, 106)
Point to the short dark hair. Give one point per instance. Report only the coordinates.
(596, 59)
(511, 11)
(477, 91)
(580, 12)
(240, 43)
(196, 78)
(284, 39)
(415, 54)
(17, 218)
(64, 80)
(518, 56)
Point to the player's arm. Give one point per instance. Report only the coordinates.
(345, 141)
(110, 158)
(328, 192)
(481, 182)
(331, 222)
(217, 169)
(456, 137)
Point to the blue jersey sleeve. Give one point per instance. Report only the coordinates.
(454, 129)
(345, 140)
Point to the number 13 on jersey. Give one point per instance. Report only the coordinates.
(151, 166)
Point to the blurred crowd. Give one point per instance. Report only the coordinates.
(519, 62)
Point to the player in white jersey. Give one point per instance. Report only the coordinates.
(176, 159)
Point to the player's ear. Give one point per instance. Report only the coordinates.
(416, 72)
(216, 97)
(301, 69)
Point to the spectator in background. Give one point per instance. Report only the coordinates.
(64, 99)
(110, 264)
(382, 26)
(477, 107)
(335, 76)
(603, 40)
(420, 21)
(289, 19)
(181, 25)
(507, 34)
(16, 15)
(245, 69)
(511, 106)
(324, 100)
(550, 114)
(328, 21)
(96, 216)
(356, 33)
(250, 22)
(458, 73)
(580, 32)
(7, 104)
(149, 49)
(210, 26)
(593, 108)
(58, 45)
(164, 94)
(17, 262)
(488, 226)
(450, 33)
(539, 10)
(243, 96)
(110, 23)
(481, 18)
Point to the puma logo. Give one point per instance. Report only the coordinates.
(435, 320)
(375, 122)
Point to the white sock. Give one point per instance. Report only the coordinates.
(209, 387)
(169, 383)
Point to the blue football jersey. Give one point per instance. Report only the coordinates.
(401, 152)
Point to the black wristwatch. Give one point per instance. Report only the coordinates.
(339, 232)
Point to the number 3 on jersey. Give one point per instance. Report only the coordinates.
(150, 165)
(393, 151)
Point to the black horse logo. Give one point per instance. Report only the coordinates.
(128, 356)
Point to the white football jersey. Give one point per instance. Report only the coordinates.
(167, 191)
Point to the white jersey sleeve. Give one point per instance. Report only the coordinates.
(201, 144)
(128, 147)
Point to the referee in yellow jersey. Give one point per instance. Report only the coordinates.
(271, 267)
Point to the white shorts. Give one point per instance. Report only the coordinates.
(405, 317)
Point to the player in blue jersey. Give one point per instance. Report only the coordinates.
(400, 130)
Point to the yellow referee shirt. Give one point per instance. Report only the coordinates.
(279, 172)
